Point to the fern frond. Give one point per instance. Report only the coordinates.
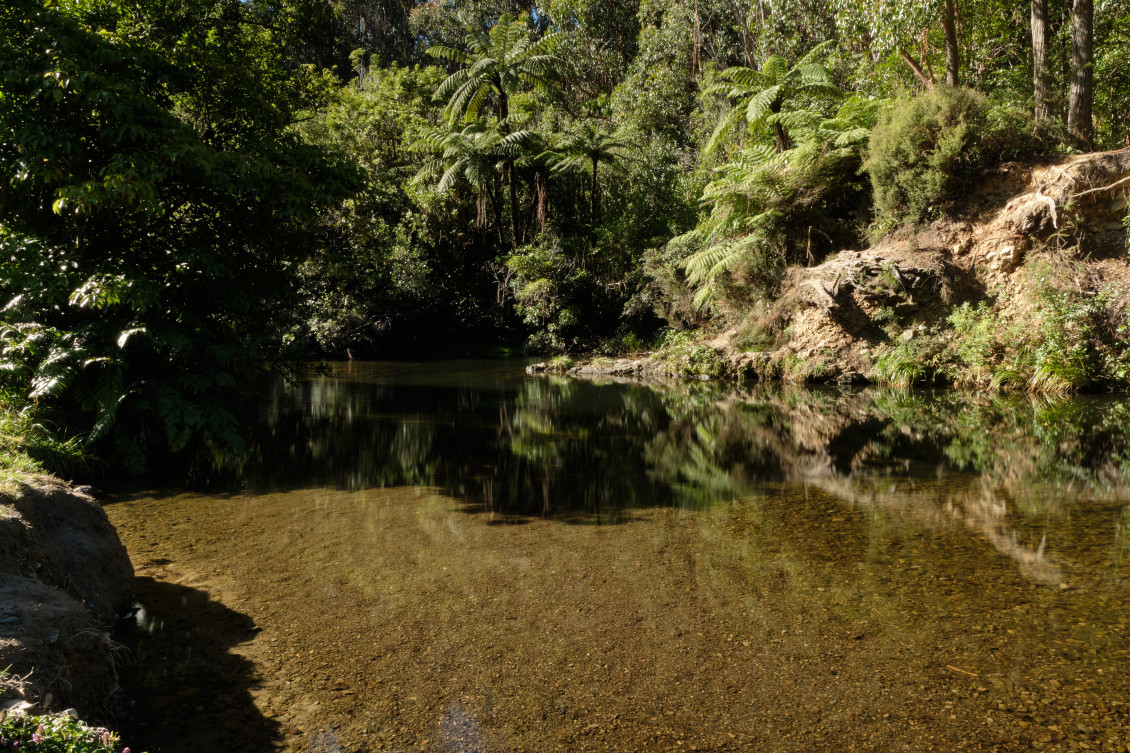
(761, 104)
(816, 53)
(449, 54)
(774, 68)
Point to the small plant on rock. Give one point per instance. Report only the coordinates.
(901, 366)
(55, 734)
(561, 363)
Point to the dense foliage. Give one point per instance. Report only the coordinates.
(194, 191)
(155, 203)
(925, 150)
(51, 734)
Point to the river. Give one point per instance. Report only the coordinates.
(455, 556)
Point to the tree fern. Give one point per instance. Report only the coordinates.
(759, 95)
(499, 63)
(762, 197)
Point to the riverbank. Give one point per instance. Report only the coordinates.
(1024, 287)
(64, 578)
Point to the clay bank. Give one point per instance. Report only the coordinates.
(64, 578)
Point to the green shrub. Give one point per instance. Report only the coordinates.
(1117, 357)
(690, 357)
(1071, 342)
(52, 734)
(975, 342)
(1063, 355)
(27, 447)
(901, 366)
(923, 150)
(623, 342)
(546, 282)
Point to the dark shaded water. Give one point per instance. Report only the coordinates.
(771, 568)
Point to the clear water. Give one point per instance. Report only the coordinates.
(458, 557)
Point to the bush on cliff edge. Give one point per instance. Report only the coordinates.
(924, 149)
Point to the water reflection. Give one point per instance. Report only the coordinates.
(1008, 469)
(487, 434)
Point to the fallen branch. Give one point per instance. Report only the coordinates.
(962, 671)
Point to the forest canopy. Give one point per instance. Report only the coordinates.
(198, 193)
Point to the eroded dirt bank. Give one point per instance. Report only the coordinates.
(1037, 254)
(64, 577)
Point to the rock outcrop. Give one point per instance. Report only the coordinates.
(64, 578)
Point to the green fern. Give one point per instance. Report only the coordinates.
(759, 194)
(501, 63)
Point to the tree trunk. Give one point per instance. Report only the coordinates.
(594, 203)
(697, 33)
(513, 205)
(495, 212)
(541, 199)
(927, 81)
(1041, 81)
(949, 26)
(784, 143)
(503, 108)
(1082, 71)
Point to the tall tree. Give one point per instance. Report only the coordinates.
(588, 148)
(478, 153)
(1081, 94)
(499, 64)
(153, 202)
(905, 28)
(949, 27)
(1041, 76)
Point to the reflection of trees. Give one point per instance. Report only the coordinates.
(936, 461)
(529, 447)
(535, 447)
(577, 447)
(323, 432)
(1122, 539)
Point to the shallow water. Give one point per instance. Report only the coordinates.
(457, 557)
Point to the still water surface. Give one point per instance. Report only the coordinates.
(458, 557)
